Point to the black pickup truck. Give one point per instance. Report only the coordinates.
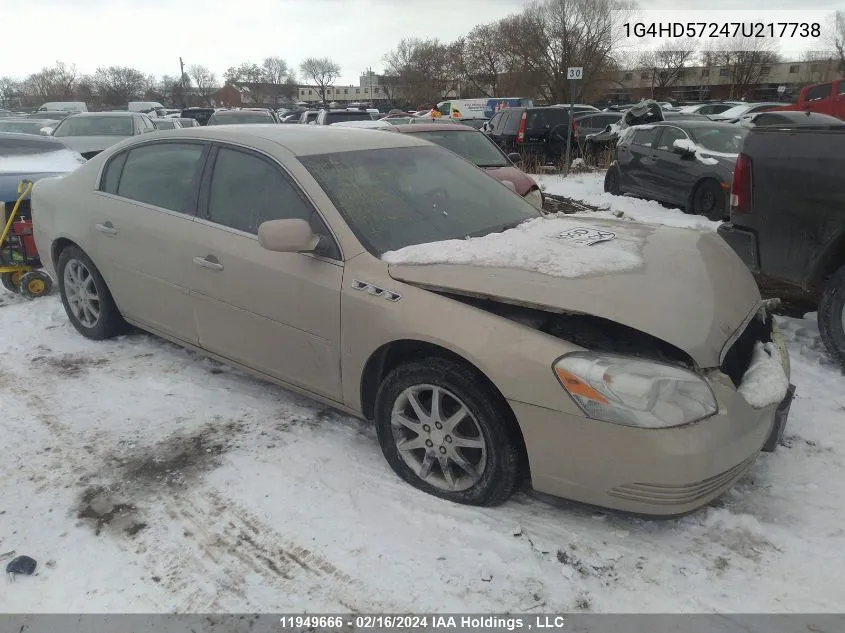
(788, 216)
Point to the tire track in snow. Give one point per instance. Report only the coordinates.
(198, 546)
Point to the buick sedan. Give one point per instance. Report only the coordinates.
(618, 364)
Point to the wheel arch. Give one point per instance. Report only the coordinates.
(390, 355)
(827, 262)
(58, 246)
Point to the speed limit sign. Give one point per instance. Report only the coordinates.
(575, 72)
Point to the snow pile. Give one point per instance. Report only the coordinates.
(60, 161)
(764, 382)
(589, 189)
(538, 245)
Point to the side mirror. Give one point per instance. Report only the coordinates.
(287, 236)
(514, 157)
(683, 148)
(46, 131)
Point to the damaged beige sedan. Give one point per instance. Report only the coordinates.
(623, 365)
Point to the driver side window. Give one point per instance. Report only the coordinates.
(670, 135)
(247, 190)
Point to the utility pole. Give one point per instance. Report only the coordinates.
(182, 80)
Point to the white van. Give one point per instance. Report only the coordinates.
(150, 108)
(463, 108)
(64, 106)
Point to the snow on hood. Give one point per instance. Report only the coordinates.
(765, 382)
(692, 289)
(58, 161)
(551, 246)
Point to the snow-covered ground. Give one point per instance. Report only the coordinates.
(145, 478)
(589, 188)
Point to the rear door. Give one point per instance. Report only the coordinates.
(142, 219)
(278, 313)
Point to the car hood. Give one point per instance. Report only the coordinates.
(85, 144)
(691, 289)
(521, 181)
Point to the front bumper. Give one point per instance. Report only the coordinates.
(655, 472)
(744, 243)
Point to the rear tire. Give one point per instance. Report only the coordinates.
(484, 440)
(831, 316)
(10, 281)
(35, 284)
(611, 182)
(92, 311)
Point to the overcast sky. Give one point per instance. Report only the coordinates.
(151, 34)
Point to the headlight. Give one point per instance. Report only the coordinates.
(535, 197)
(635, 392)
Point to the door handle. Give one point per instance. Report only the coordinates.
(107, 228)
(210, 262)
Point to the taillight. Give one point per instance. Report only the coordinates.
(520, 135)
(741, 185)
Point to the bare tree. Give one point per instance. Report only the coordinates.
(322, 70)
(550, 36)
(484, 58)
(421, 69)
(116, 85)
(839, 39)
(747, 61)
(204, 80)
(665, 66)
(8, 88)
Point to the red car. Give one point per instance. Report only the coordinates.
(475, 147)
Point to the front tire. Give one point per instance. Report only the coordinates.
(831, 316)
(446, 431)
(708, 200)
(86, 298)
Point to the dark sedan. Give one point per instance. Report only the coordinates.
(688, 164)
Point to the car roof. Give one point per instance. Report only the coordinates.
(247, 110)
(303, 140)
(121, 113)
(31, 139)
(693, 124)
(410, 128)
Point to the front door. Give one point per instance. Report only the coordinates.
(673, 174)
(141, 221)
(278, 313)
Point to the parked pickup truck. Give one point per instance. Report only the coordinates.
(826, 98)
(788, 216)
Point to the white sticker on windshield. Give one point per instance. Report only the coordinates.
(583, 236)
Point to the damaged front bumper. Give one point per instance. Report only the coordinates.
(657, 472)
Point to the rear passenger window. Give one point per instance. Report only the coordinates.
(646, 137)
(163, 174)
(111, 175)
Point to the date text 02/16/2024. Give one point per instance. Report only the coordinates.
(422, 623)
